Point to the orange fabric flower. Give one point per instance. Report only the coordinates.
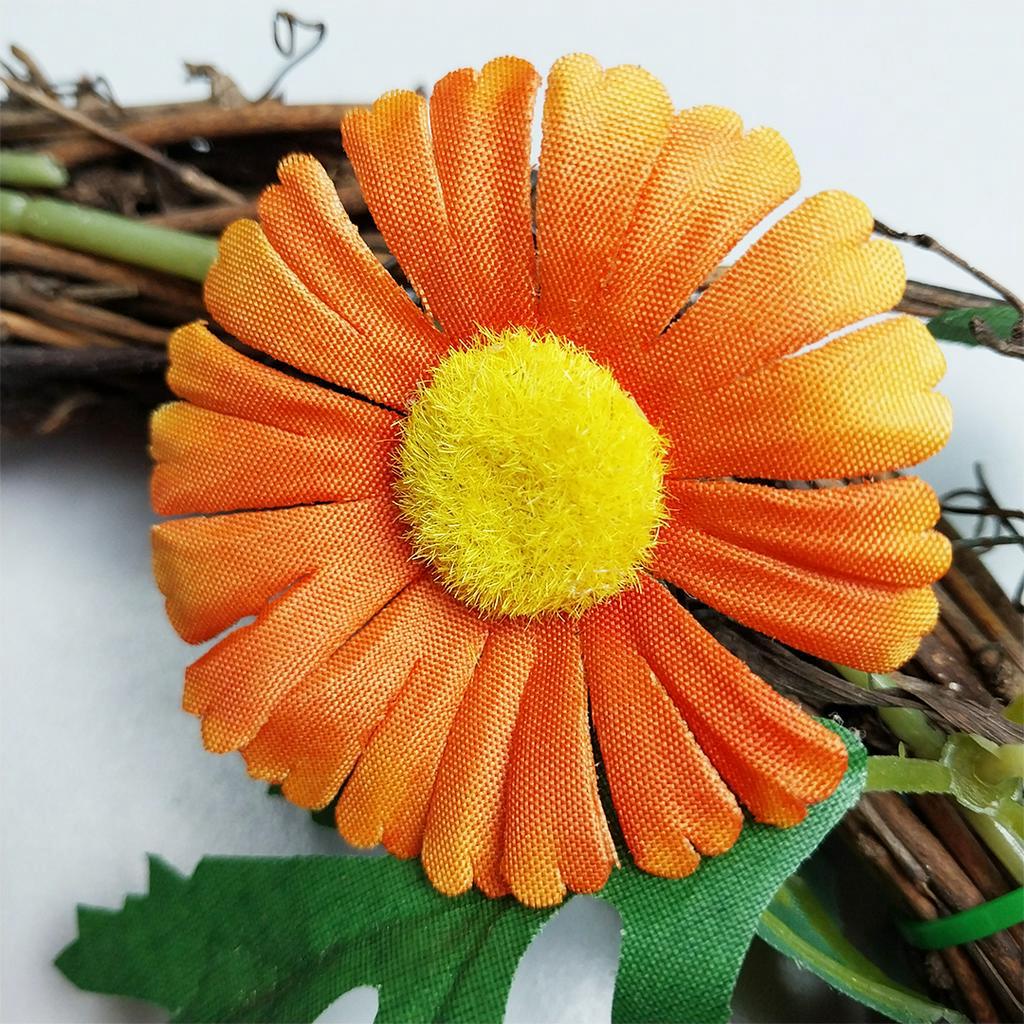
(380, 663)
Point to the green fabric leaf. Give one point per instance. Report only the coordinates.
(683, 941)
(956, 324)
(798, 926)
(281, 939)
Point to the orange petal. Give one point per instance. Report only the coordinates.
(459, 227)
(774, 757)
(312, 740)
(861, 404)
(556, 836)
(874, 531)
(207, 462)
(872, 626)
(306, 223)
(709, 186)
(235, 686)
(602, 132)
(252, 293)
(666, 793)
(208, 373)
(481, 125)
(813, 273)
(387, 797)
(465, 826)
(216, 570)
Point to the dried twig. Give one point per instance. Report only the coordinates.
(23, 294)
(208, 122)
(285, 24)
(18, 326)
(819, 688)
(968, 983)
(215, 218)
(943, 876)
(190, 177)
(27, 252)
(982, 333)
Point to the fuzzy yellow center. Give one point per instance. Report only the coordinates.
(531, 480)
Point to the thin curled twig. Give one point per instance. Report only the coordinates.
(980, 330)
(994, 525)
(285, 25)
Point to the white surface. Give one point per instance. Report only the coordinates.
(906, 104)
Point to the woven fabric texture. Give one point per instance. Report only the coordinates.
(463, 739)
(235, 942)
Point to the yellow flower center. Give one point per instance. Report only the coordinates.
(532, 481)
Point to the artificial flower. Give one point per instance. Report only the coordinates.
(456, 520)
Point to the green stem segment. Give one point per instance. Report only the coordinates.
(908, 725)
(968, 925)
(180, 253)
(31, 170)
(1002, 841)
(907, 775)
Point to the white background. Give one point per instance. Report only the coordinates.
(915, 107)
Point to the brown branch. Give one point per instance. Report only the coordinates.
(943, 875)
(942, 815)
(27, 252)
(18, 326)
(818, 688)
(1005, 678)
(204, 219)
(983, 334)
(209, 122)
(968, 983)
(31, 125)
(975, 605)
(22, 295)
(928, 300)
(191, 177)
(216, 218)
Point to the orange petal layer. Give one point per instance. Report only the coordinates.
(466, 824)
(667, 795)
(306, 223)
(774, 757)
(253, 293)
(481, 125)
(709, 186)
(878, 531)
(363, 562)
(459, 227)
(216, 570)
(207, 462)
(861, 404)
(872, 626)
(320, 727)
(602, 132)
(387, 797)
(814, 272)
(556, 835)
(206, 372)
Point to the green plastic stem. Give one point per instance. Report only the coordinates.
(31, 170)
(1002, 841)
(908, 725)
(907, 775)
(968, 925)
(180, 253)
